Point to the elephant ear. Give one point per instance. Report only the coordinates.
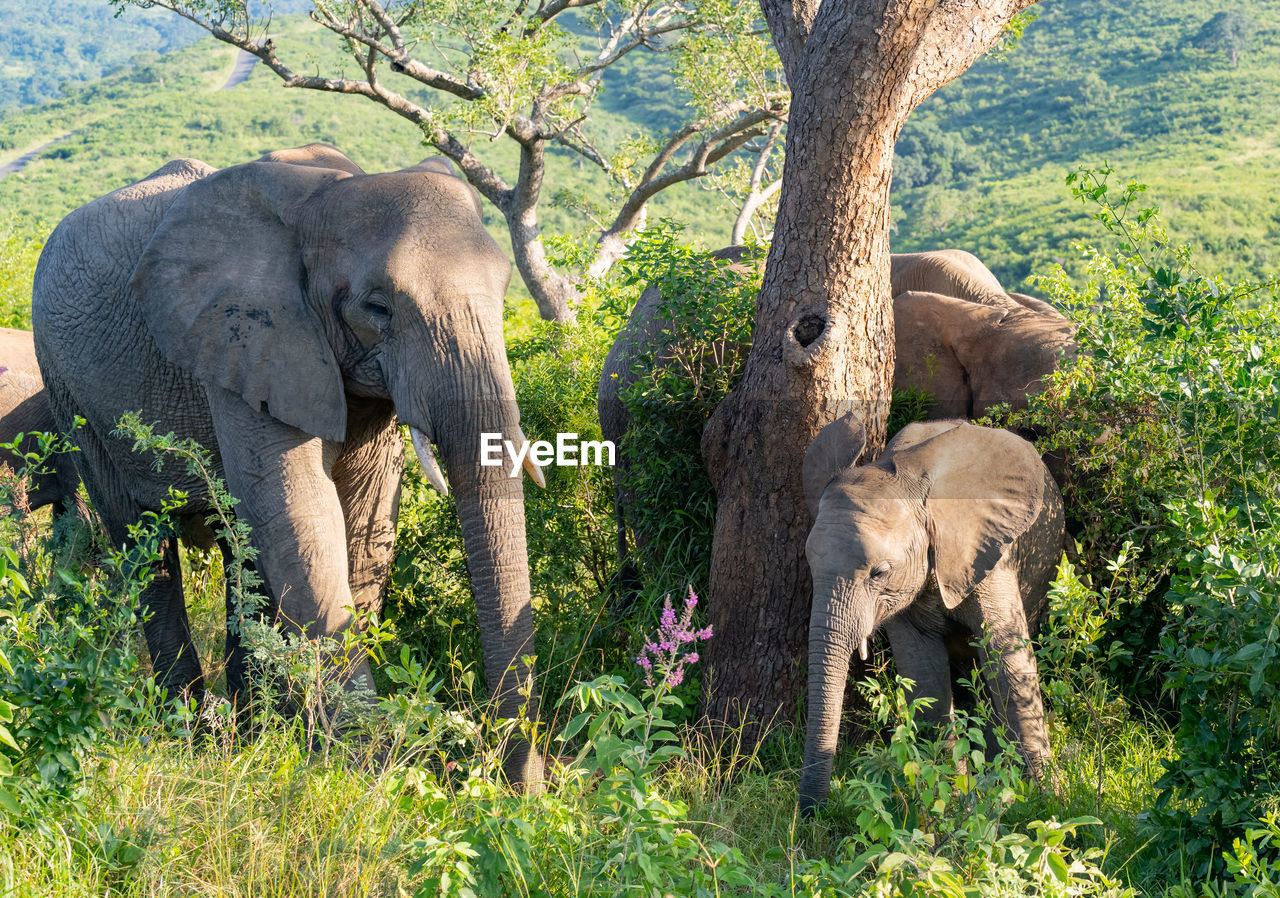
(221, 287)
(985, 487)
(441, 165)
(835, 449)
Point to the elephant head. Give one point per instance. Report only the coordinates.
(971, 356)
(313, 291)
(938, 504)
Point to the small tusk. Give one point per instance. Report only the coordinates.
(531, 466)
(427, 459)
(865, 649)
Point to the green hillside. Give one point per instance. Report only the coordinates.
(46, 45)
(115, 130)
(980, 166)
(1096, 80)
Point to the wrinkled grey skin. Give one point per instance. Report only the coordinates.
(971, 357)
(952, 535)
(287, 313)
(959, 337)
(24, 408)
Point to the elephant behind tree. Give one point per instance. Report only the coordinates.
(24, 408)
(287, 314)
(947, 542)
(971, 357)
(959, 337)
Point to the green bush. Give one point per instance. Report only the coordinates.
(20, 245)
(707, 311)
(69, 672)
(1171, 416)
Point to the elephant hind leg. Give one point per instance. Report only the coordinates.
(174, 659)
(173, 653)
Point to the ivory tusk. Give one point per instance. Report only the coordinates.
(531, 466)
(865, 649)
(427, 459)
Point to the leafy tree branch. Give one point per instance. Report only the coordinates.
(529, 73)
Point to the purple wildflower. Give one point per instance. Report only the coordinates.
(665, 652)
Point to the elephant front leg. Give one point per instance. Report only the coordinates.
(922, 658)
(1009, 665)
(367, 478)
(283, 479)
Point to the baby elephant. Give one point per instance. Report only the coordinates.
(950, 537)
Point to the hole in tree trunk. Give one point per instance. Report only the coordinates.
(808, 329)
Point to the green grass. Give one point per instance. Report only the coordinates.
(268, 819)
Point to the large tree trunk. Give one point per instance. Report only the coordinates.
(824, 328)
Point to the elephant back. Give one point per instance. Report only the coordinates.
(96, 356)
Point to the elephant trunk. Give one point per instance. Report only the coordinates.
(837, 625)
(491, 511)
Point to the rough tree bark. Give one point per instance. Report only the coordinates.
(824, 328)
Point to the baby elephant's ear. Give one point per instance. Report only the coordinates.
(985, 488)
(835, 449)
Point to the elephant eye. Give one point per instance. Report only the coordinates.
(376, 305)
(880, 571)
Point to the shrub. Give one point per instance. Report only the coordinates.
(707, 313)
(1171, 416)
(69, 673)
(20, 245)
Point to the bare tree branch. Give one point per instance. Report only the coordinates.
(713, 147)
(553, 113)
(755, 196)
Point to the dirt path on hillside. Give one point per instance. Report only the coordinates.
(16, 165)
(240, 73)
(245, 62)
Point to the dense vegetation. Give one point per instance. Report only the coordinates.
(1160, 664)
(1164, 735)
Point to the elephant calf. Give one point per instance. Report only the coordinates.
(948, 542)
(24, 408)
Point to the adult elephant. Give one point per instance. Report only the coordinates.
(286, 313)
(24, 409)
(971, 357)
(959, 337)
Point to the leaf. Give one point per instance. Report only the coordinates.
(9, 803)
(1058, 867)
(575, 726)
